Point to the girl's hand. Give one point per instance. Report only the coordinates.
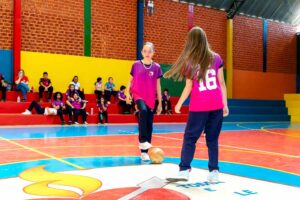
(177, 108)
(128, 99)
(159, 109)
(225, 111)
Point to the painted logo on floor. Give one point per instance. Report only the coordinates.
(136, 182)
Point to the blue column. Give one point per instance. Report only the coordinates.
(140, 28)
(265, 39)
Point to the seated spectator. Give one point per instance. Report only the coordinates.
(166, 103)
(122, 101)
(39, 109)
(77, 87)
(70, 97)
(78, 108)
(98, 88)
(102, 108)
(45, 86)
(22, 84)
(59, 105)
(3, 87)
(109, 89)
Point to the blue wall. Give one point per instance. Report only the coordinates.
(6, 64)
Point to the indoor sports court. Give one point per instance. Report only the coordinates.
(55, 54)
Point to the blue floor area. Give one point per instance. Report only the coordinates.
(78, 131)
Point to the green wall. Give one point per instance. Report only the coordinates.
(175, 88)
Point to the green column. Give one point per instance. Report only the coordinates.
(87, 27)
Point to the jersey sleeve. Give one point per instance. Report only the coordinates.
(132, 71)
(160, 72)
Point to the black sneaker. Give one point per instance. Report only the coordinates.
(63, 123)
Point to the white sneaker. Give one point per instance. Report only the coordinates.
(145, 145)
(27, 112)
(145, 157)
(213, 176)
(85, 123)
(180, 176)
(76, 123)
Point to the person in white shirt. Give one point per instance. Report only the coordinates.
(77, 87)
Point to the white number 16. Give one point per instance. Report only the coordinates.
(210, 82)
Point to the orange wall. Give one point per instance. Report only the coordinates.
(259, 85)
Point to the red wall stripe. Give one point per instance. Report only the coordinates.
(17, 36)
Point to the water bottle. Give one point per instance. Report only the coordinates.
(92, 111)
(18, 99)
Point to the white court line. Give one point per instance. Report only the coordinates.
(235, 147)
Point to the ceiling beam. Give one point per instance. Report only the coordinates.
(235, 6)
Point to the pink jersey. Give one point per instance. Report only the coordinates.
(144, 82)
(207, 95)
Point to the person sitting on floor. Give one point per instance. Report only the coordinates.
(45, 86)
(122, 101)
(78, 108)
(22, 84)
(39, 109)
(98, 88)
(3, 87)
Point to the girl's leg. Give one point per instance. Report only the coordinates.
(76, 113)
(50, 90)
(107, 95)
(37, 107)
(105, 116)
(169, 105)
(101, 118)
(3, 89)
(194, 128)
(164, 110)
(60, 114)
(69, 112)
(149, 124)
(83, 114)
(212, 130)
(41, 91)
(143, 121)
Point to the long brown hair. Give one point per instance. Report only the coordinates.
(195, 58)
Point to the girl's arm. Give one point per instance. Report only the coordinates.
(69, 104)
(224, 91)
(128, 96)
(83, 106)
(185, 94)
(158, 91)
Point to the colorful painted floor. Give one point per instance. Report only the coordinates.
(257, 161)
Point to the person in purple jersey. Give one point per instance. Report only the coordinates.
(102, 108)
(144, 85)
(58, 104)
(122, 101)
(166, 102)
(70, 97)
(78, 108)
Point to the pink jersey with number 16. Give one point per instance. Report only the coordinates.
(207, 95)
